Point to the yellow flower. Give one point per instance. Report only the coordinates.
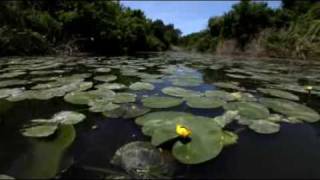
(309, 88)
(182, 131)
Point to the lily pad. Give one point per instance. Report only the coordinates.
(229, 138)
(279, 93)
(220, 94)
(40, 131)
(204, 102)
(68, 117)
(180, 92)
(140, 86)
(249, 110)
(292, 109)
(161, 102)
(3, 176)
(106, 78)
(142, 160)
(111, 86)
(127, 111)
(226, 118)
(124, 98)
(264, 127)
(228, 85)
(102, 105)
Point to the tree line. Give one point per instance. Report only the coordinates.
(290, 31)
(33, 27)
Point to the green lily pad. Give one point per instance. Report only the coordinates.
(180, 92)
(106, 78)
(102, 105)
(204, 102)
(279, 93)
(249, 110)
(140, 86)
(229, 138)
(3, 176)
(228, 85)
(80, 98)
(127, 111)
(161, 102)
(292, 109)
(40, 131)
(124, 98)
(220, 94)
(111, 86)
(187, 81)
(206, 138)
(226, 118)
(264, 127)
(68, 117)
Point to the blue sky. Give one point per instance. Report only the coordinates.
(188, 16)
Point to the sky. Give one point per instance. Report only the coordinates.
(188, 16)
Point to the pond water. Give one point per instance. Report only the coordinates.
(38, 88)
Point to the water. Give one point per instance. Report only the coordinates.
(291, 153)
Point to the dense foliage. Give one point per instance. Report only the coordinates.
(37, 27)
(290, 31)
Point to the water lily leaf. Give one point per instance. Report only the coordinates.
(161, 102)
(140, 86)
(241, 96)
(236, 76)
(105, 78)
(68, 117)
(249, 110)
(40, 131)
(80, 98)
(292, 109)
(44, 159)
(204, 102)
(220, 94)
(229, 138)
(3, 176)
(111, 86)
(13, 82)
(103, 70)
(226, 118)
(180, 92)
(102, 105)
(264, 127)
(206, 138)
(279, 93)
(124, 98)
(187, 81)
(127, 111)
(228, 85)
(8, 92)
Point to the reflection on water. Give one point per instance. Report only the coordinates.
(292, 153)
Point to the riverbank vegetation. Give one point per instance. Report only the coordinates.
(253, 28)
(31, 27)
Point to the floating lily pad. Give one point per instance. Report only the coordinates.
(143, 161)
(68, 117)
(187, 81)
(111, 86)
(226, 118)
(161, 102)
(249, 110)
(279, 93)
(40, 131)
(139, 86)
(124, 98)
(292, 109)
(106, 78)
(228, 85)
(180, 92)
(81, 98)
(127, 111)
(204, 102)
(229, 138)
(6, 177)
(264, 127)
(102, 105)
(206, 138)
(220, 94)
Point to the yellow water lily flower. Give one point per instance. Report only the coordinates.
(182, 131)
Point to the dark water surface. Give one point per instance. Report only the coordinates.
(294, 152)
